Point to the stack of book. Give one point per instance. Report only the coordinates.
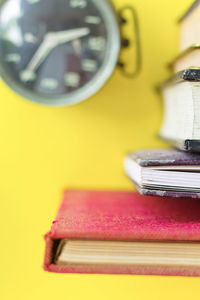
(181, 126)
(155, 231)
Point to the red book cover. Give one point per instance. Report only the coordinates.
(123, 216)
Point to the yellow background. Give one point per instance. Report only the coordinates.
(44, 150)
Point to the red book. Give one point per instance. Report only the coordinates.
(115, 232)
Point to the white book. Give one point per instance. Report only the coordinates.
(181, 123)
(190, 58)
(164, 172)
(190, 26)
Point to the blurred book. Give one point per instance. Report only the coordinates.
(162, 172)
(181, 126)
(116, 232)
(190, 26)
(190, 58)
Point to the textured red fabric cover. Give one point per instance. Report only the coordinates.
(117, 215)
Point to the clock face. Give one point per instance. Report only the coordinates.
(57, 52)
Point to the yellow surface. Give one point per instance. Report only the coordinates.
(45, 150)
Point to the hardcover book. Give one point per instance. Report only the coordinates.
(163, 172)
(190, 58)
(181, 95)
(190, 26)
(116, 232)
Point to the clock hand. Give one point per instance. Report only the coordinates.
(42, 52)
(51, 40)
(70, 35)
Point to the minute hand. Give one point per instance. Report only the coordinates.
(70, 35)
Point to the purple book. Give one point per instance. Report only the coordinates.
(164, 172)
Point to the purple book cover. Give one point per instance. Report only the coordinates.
(165, 157)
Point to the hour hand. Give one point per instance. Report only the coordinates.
(45, 48)
(70, 35)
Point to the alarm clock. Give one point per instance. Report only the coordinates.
(58, 52)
